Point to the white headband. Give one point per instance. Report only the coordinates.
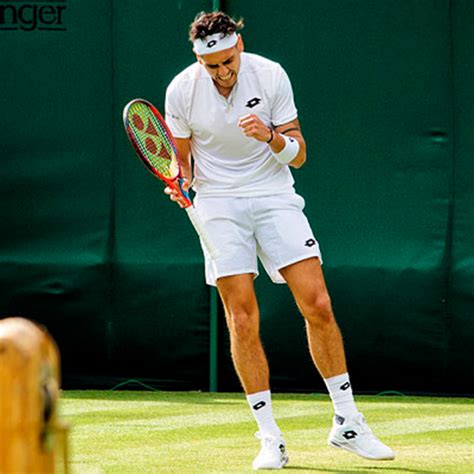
(214, 43)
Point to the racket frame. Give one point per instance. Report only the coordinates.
(175, 183)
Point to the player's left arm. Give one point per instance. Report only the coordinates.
(252, 126)
(290, 129)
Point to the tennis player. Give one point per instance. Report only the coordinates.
(234, 113)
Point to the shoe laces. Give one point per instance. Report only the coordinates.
(363, 426)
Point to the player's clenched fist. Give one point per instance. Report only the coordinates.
(253, 127)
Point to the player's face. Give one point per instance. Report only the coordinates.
(224, 65)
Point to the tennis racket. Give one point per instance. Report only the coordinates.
(155, 146)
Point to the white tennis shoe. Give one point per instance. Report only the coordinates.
(354, 435)
(272, 454)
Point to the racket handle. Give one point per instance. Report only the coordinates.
(199, 227)
(183, 192)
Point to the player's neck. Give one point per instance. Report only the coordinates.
(224, 91)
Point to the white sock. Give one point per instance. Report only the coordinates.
(340, 391)
(261, 406)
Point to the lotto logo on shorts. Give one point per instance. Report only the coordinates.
(45, 15)
(310, 243)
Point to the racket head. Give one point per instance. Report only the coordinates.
(152, 140)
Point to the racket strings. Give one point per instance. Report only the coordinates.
(153, 140)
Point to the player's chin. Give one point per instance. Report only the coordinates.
(228, 82)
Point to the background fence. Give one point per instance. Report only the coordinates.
(90, 247)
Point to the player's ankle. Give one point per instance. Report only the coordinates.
(261, 405)
(340, 391)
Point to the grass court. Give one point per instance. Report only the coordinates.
(193, 432)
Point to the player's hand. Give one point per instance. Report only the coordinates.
(175, 195)
(253, 127)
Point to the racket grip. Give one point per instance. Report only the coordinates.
(199, 227)
(183, 192)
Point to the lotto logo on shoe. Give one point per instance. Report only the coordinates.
(351, 434)
(259, 405)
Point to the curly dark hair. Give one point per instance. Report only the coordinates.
(206, 24)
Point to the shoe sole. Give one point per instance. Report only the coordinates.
(360, 453)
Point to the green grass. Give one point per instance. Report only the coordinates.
(187, 432)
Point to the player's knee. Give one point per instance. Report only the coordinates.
(318, 311)
(243, 324)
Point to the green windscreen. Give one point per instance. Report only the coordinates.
(91, 248)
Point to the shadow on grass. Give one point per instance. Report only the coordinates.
(361, 469)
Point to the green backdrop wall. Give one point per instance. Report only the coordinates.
(91, 248)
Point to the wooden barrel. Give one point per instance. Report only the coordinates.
(32, 438)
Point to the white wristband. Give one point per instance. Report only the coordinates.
(289, 152)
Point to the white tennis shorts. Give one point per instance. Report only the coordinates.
(272, 228)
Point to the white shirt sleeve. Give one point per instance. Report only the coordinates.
(284, 109)
(175, 113)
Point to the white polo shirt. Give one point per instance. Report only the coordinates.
(226, 162)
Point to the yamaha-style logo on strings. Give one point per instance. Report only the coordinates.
(46, 15)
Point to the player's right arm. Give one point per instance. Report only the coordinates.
(184, 156)
(176, 113)
(183, 146)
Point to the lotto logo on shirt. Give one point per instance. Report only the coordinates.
(253, 102)
(47, 15)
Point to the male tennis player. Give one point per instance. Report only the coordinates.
(234, 113)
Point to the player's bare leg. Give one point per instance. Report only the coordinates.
(242, 315)
(350, 430)
(306, 282)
